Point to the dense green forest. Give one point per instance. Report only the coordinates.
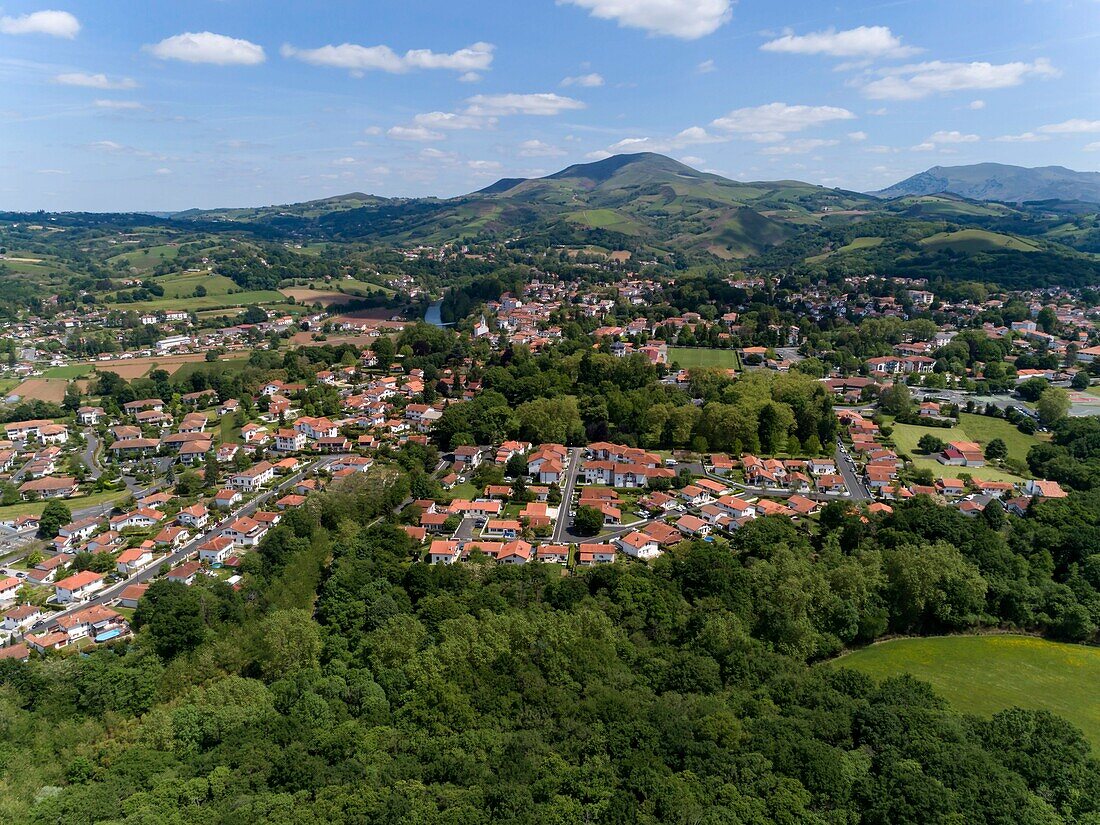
(347, 683)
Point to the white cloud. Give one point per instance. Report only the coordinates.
(692, 160)
(431, 153)
(106, 146)
(976, 105)
(706, 67)
(545, 103)
(1076, 126)
(373, 130)
(207, 47)
(52, 23)
(861, 42)
(692, 136)
(95, 81)
(798, 147)
(346, 161)
(163, 171)
(857, 136)
(686, 19)
(118, 104)
(768, 123)
(599, 154)
(1025, 137)
(418, 133)
(356, 58)
(586, 80)
(450, 120)
(1093, 147)
(537, 149)
(919, 80)
(469, 77)
(942, 138)
(483, 164)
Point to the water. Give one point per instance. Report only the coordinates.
(433, 316)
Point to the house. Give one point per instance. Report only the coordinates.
(316, 428)
(468, 457)
(290, 441)
(173, 536)
(514, 552)
(253, 478)
(251, 431)
(246, 532)
(19, 652)
(142, 518)
(79, 530)
(90, 416)
(801, 505)
(822, 466)
(132, 560)
(443, 552)
(135, 447)
(9, 588)
(962, 454)
(696, 496)
(195, 516)
(1044, 489)
(131, 595)
(506, 528)
(553, 553)
(216, 550)
(693, 526)
(831, 484)
(225, 499)
(48, 640)
(590, 554)
(736, 507)
(48, 487)
(639, 545)
(20, 617)
(185, 573)
(78, 587)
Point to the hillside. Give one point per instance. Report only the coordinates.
(644, 200)
(1001, 182)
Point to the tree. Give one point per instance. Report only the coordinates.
(929, 444)
(1053, 405)
(1080, 380)
(588, 521)
(172, 612)
(996, 450)
(55, 516)
(384, 350)
(1032, 388)
(896, 400)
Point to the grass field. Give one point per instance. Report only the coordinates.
(985, 674)
(971, 428)
(689, 358)
(147, 259)
(238, 299)
(976, 240)
(182, 284)
(69, 371)
(76, 503)
(42, 389)
(224, 365)
(857, 244)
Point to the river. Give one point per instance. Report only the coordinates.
(433, 316)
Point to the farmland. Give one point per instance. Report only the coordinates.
(985, 674)
(223, 301)
(691, 358)
(42, 389)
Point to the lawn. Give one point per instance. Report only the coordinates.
(985, 674)
(69, 371)
(690, 357)
(35, 508)
(238, 299)
(972, 428)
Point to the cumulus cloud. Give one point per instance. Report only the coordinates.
(118, 104)
(919, 80)
(544, 103)
(1076, 126)
(95, 81)
(483, 165)
(706, 67)
(1025, 137)
(1093, 147)
(863, 42)
(857, 136)
(692, 136)
(207, 47)
(585, 80)
(538, 149)
(49, 22)
(450, 120)
(770, 122)
(976, 104)
(686, 19)
(798, 147)
(941, 138)
(417, 133)
(357, 59)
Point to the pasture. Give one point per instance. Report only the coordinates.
(985, 674)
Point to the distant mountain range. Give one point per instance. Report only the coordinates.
(1000, 182)
(645, 199)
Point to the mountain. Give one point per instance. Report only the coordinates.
(645, 200)
(1000, 182)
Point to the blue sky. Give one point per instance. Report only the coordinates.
(164, 105)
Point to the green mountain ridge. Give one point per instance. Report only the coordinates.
(1001, 182)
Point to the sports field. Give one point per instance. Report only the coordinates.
(985, 674)
(690, 357)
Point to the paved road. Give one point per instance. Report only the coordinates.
(89, 457)
(110, 594)
(576, 456)
(851, 480)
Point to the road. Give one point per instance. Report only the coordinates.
(89, 457)
(575, 459)
(110, 594)
(851, 480)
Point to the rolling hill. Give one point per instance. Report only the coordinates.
(1001, 182)
(644, 200)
